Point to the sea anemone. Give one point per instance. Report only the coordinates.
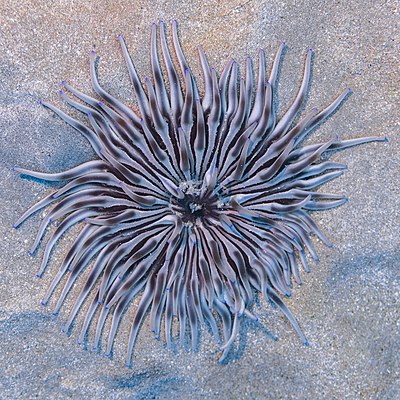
(193, 207)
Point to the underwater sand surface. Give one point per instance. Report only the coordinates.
(348, 306)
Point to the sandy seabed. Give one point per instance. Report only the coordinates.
(348, 305)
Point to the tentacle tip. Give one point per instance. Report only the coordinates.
(55, 312)
(268, 83)
(99, 302)
(15, 226)
(30, 253)
(128, 365)
(108, 355)
(310, 50)
(41, 102)
(283, 43)
(107, 307)
(79, 342)
(89, 113)
(43, 303)
(94, 348)
(38, 275)
(385, 139)
(63, 330)
(63, 82)
(306, 343)
(92, 52)
(330, 245)
(100, 103)
(119, 36)
(61, 91)
(348, 90)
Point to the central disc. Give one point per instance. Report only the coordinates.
(195, 206)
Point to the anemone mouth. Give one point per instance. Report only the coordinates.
(193, 206)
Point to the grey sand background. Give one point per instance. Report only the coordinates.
(348, 306)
